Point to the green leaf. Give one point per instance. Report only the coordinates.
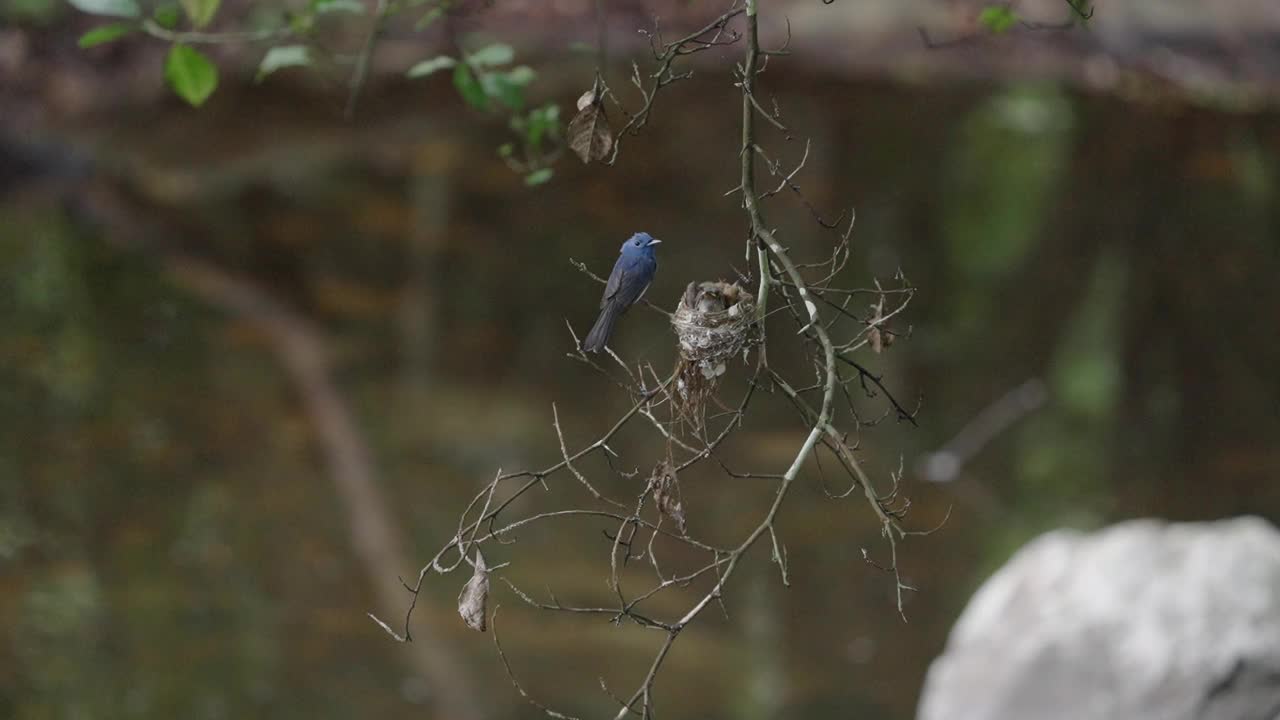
(542, 121)
(281, 57)
(997, 18)
(191, 75)
(114, 8)
(498, 88)
(427, 67)
(323, 7)
(521, 75)
(538, 177)
(105, 34)
(200, 12)
(166, 16)
(506, 149)
(1081, 9)
(492, 55)
(429, 18)
(469, 87)
(300, 23)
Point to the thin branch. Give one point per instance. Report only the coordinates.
(360, 74)
(632, 537)
(154, 29)
(713, 34)
(866, 375)
(506, 664)
(568, 462)
(761, 232)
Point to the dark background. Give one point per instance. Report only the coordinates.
(1100, 213)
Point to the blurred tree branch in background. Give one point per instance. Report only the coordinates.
(339, 42)
(303, 352)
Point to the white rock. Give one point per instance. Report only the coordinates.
(1136, 622)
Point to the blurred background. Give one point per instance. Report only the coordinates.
(256, 357)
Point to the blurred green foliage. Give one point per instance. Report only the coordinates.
(31, 11)
(998, 18)
(1008, 159)
(1006, 164)
(480, 76)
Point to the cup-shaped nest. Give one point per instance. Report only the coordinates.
(714, 322)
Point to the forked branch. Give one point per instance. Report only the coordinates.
(642, 528)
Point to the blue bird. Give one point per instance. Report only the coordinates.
(630, 278)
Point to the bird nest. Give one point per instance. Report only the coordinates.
(714, 322)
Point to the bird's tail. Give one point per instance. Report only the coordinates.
(603, 328)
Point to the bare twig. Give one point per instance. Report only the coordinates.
(639, 531)
(506, 664)
(713, 34)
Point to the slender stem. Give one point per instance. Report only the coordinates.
(762, 303)
(154, 29)
(360, 75)
(602, 39)
(821, 424)
(748, 141)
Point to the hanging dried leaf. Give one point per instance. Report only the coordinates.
(666, 492)
(876, 339)
(875, 336)
(475, 596)
(589, 133)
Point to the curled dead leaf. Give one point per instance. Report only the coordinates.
(475, 596)
(589, 134)
(666, 492)
(878, 339)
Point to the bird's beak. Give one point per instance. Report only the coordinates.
(653, 241)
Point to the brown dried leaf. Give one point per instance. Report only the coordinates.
(874, 335)
(589, 133)
(475, 596)
(666, 492)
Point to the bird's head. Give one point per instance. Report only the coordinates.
(640, 244)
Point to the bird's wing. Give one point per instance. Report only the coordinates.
(634, 281)
(617, 280)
